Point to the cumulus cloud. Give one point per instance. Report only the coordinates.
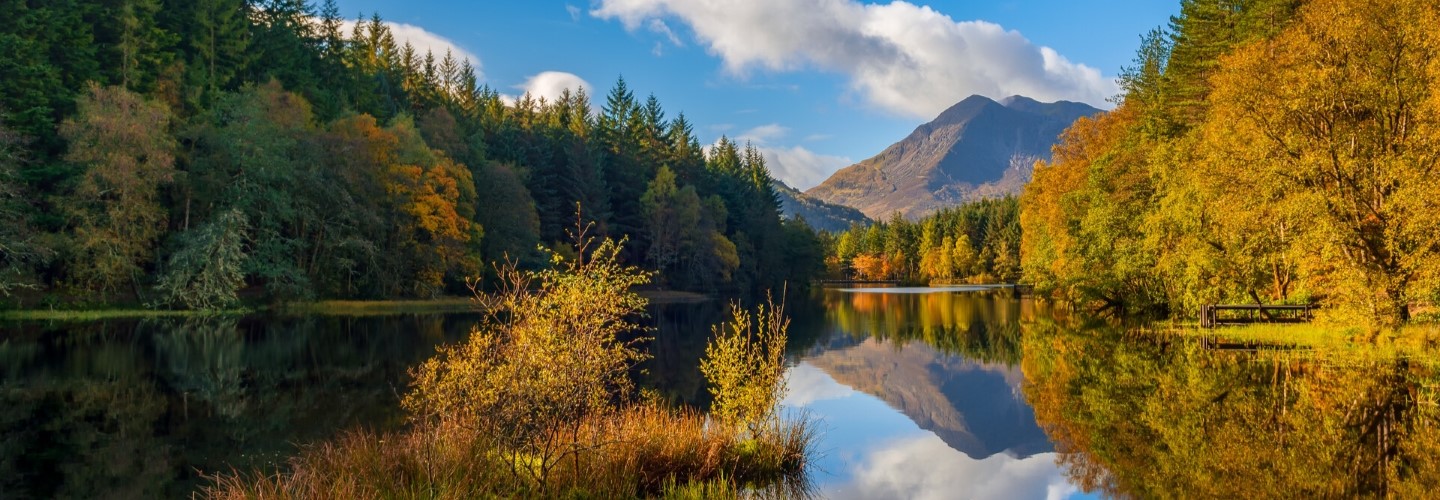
(801, 168)
(424, 41)
(573, 11)
(549, 84)
(905, 58)
(796, 166)
(808, 384)
(925, 468)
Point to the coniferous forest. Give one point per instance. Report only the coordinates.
(200, 153)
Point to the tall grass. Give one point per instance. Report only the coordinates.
(645, 450)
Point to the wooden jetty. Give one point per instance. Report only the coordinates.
(1210, 316)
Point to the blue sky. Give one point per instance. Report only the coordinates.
(816, 84)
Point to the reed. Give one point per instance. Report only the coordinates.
(643, 451)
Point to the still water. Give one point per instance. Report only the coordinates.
(919, 393)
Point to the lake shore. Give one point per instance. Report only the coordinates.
(439, 305)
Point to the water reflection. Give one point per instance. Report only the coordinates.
(1136, 416)
(918, 391)
(133, 409)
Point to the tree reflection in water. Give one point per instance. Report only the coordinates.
(1136, 416)
(139, 408)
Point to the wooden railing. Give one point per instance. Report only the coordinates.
(1255, 313)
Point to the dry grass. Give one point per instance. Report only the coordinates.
(643, 451)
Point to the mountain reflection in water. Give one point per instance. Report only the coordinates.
(919, 395)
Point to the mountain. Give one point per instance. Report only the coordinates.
(976, 408)
(978, 148)
(820, 215)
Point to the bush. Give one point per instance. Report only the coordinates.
(546, 359)
(539, 403)
(745, 366)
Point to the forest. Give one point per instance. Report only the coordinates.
(206, 153)
(1271, 151)
(977, 242)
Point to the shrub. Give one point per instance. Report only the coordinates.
(547, 358)
(745, 366)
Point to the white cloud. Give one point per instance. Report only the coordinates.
(549, 84)
(659, 27)
(908, 59)
(801, 168)
(762, 134)
(807, 384)
(796, 166)
(925, 468)
(424, 41)
(574, 12)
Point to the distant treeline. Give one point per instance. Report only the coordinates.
(192, 152)
(975, 242)
(1262, 151)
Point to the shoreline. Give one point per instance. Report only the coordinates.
(439, 305)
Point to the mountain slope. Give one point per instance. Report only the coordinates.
(978, 148)
(820, 215)
(974, 407)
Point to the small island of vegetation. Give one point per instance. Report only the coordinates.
(539, 402)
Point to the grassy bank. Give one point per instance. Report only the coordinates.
(379, 307)
(101, 314)
(440, 305)
(1415, 340)
(643, 451)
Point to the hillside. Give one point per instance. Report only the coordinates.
(976, 149)
(819, 214)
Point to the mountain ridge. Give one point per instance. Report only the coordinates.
(818, 214)
(974, 149)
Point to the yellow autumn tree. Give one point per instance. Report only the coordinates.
(1339, 114)
(1082, 213)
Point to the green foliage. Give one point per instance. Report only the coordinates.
(20, 250)
(686, 244)
(206, 272)
(975, 242)
(255, 154)
(744, 365)
(306, 130)
(122, 141)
